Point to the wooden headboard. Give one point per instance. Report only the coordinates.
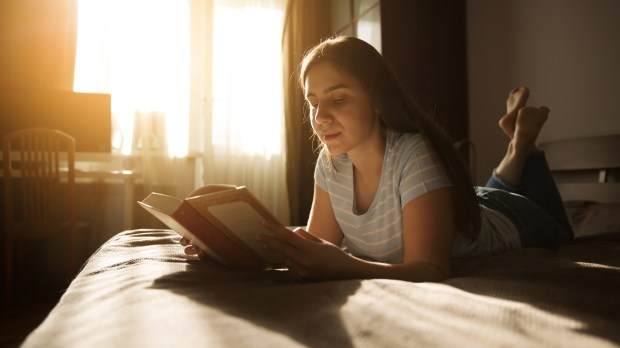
(586, 169)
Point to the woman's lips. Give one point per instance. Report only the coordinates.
(330, 136)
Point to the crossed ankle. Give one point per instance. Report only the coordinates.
(509, 185)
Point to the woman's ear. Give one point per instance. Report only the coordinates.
(378, 109)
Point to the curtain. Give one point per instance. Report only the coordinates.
(306, 24)
(242, 103)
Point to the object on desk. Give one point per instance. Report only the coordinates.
(39, 193)
(87, 117)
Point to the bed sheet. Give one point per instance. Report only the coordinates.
(138, 289)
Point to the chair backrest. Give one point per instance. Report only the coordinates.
(39, 180)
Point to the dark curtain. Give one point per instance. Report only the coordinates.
(306, 24)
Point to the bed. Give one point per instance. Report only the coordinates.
(138, 289)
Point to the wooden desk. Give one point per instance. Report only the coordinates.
(127, 176)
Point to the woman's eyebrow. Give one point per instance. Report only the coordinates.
(329, 89)
(334, 87)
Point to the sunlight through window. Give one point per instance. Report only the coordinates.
(138, 51)
(248, 104)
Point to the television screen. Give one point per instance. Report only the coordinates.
(85, 116)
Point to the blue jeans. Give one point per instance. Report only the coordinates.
(536, 208)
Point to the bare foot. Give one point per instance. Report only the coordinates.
(516, 100)
(530, 121)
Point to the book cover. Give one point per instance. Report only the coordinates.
(223, 224)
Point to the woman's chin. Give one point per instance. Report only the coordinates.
(335, 152)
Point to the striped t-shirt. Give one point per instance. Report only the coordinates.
(409, 171)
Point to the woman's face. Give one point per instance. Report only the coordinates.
(341, 111)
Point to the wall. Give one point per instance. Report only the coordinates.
(565, 51)
(37, 43)
(359, 18)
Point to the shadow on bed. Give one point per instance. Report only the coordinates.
(579, 282)
(574, 287)
(307, 313)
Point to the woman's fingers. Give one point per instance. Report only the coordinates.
(298, 237)
(193, 251)
(307, 256)
(294, 261)
(190, 250)
(281, 248)
(280, 231)
(307, 235)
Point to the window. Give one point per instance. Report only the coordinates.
(191, 76)
(140, 51)
(247, 69)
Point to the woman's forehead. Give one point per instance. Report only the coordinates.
(324, 77)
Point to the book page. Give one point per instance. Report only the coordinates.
(246, 222)
(164, 203)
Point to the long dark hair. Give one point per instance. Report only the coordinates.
(400, 113)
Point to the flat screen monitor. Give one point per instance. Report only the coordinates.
(85, 116)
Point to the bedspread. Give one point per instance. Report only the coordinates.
(138, 289)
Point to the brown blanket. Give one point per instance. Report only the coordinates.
(139, 290)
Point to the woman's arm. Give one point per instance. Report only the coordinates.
(322, 221)
(428, 234)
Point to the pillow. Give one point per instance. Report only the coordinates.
(590, 218)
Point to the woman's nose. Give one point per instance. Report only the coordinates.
(322, 116)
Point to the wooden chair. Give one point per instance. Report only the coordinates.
(39, 194)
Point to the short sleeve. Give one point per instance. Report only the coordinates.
(320, 172)
(420, 174)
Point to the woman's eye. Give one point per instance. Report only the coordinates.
(312, 108)
(338, 100)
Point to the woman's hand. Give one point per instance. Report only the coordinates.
(192, 251)
(307, 256)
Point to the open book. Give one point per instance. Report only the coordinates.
(223, 224)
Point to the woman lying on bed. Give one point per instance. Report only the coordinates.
(392, 197)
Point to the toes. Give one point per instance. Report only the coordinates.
(517, 99)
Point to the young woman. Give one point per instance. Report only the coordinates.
(392, 197)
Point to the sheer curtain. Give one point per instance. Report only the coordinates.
(197, 78)
(242, 106)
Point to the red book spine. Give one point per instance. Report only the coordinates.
(218, 242)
